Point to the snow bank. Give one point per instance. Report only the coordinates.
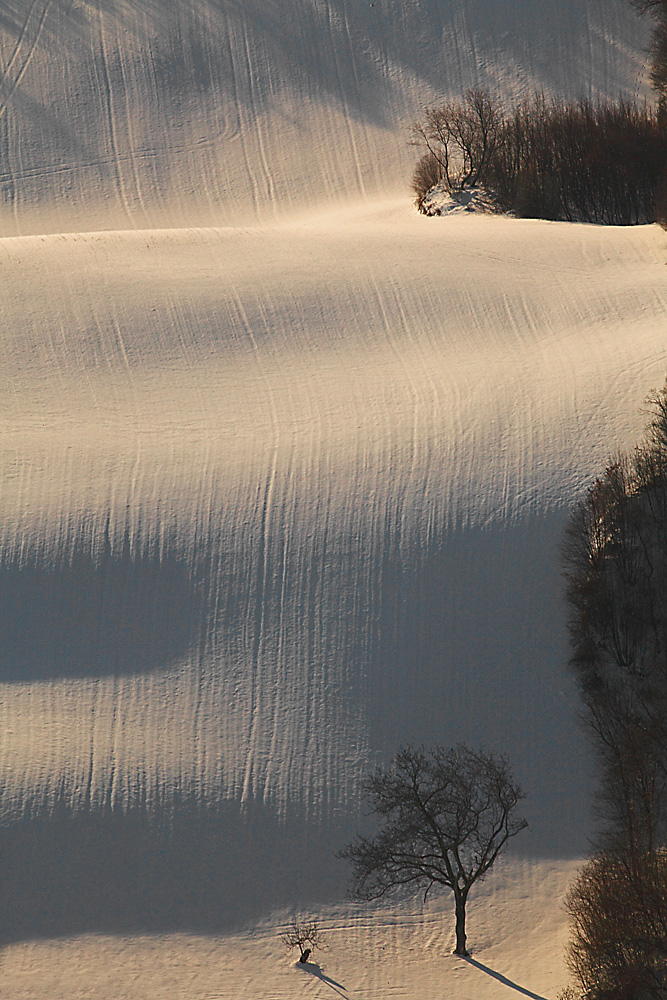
(440, 201)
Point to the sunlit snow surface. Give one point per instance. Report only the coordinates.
(284, 490)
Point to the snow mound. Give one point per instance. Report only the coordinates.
(441, 201)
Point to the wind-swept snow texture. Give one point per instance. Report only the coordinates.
(280, 495)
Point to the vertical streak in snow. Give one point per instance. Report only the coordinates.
(107, 97)
(10, 81)
(263, 563)
(236, 102)
(131, 145)
(343, 97)
(270, 191)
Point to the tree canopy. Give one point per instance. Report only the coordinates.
(447, 814)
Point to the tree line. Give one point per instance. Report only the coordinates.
(582, 161)
(603, 162)
(615, 554)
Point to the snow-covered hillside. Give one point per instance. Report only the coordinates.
(143, 113)
(285, 465)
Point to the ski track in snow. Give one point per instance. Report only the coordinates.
(285, 466)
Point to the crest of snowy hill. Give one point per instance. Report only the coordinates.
(279, 496)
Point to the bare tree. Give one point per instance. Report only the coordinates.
(586, 161)
(616, 557)
(616, 560)
(303, 935)
(461, 136)
(447, 815)
(590, 162)
(618, 911)
(658, 10)
(428, 172)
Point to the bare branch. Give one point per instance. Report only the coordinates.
(446, 815)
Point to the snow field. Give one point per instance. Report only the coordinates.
(518, 928)
(285, 467)
(120, 115)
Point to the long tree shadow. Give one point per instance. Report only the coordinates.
(87, 614)
(314, 970)
(503, 979)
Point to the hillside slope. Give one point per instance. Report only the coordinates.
(275, 500)
(285, 465)
(117, 114)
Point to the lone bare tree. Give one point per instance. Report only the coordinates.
(305, 936)
(447, 816)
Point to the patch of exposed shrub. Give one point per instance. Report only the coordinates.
(428, 173)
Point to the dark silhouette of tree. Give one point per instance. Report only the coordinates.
(446, 815)
(460, 137)
(658, 10)
(578, 161)
(616, 559)
(428, 172)
(301, 934)
(615, 555)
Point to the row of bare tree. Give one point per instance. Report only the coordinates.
(603, 163)
(616, 559)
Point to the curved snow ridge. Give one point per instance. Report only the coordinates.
(135, 115)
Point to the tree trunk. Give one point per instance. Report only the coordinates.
(460, 899)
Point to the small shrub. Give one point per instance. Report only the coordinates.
(428, 173)
(569, 994)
